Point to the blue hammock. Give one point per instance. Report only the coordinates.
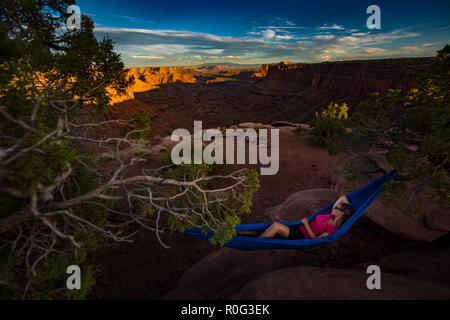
(359, 200)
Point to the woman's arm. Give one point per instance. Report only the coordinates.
(342, 199)
(323, 235)
(308, 228)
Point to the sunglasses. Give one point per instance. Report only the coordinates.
(339, 208)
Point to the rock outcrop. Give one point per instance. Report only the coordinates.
(162, 75)
(285, 274)
(220, 95)
(118, 98)
(315, 85)
(303, 283)
(408, 213)
(149, 78)
(301, 204)
(336, 270)
(353, 79)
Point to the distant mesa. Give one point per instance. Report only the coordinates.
(231, 94)
(148, 78)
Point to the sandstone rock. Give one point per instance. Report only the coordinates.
(167, 141)
(300, 283)
(308, 87)
(117, 98)
(436, 218)
(287, 130)
(354, 79)
(149, 78)
(143, 151)
(433, 263)
(291, 92)
(246, 125)
(283, 123)
(106, 156)
(282, 274)
(420, 219)
(223, 272)
(412, 147)
(133, 149)
(306, 127)
(302, 204)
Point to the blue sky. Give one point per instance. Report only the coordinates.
(170, 33)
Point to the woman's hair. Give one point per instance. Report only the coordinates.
(348, 211)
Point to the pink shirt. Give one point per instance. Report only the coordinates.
(319, 225)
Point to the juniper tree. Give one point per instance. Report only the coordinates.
(59, 199)
(414, 126)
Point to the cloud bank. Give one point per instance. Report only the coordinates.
(263, 44)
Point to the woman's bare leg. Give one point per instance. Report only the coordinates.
(274, 229)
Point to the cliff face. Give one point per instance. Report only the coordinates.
(283, 91)
(282, 66)
(163, 75)
(148, 78)
(342, 80)
(304, 88)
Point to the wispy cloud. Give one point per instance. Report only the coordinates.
(148, 57)
(135, 20)
(262, 44)
(332, 27)
(173, 44)
(324, 37)
(281, 27)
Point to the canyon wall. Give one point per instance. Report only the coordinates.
(344, 81)
(289, 91)
(149, 78)
(284, 91)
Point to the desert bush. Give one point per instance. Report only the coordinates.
(414, 126)
(228, 207)
(258, 126)
(141, 123)
(59, 203)
(329, 127)
(156, 139)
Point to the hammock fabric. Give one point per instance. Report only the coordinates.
(359, 199)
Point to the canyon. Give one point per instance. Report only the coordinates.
(227, 95)
(412, 251)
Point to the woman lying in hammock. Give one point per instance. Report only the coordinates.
(322, 226)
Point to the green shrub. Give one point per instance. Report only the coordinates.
(41, 78)
(228, 214)
(258, 126)
(352, 176)
(224, 215)
(140, 121)
(413, 126)
(156, 139)
(415, 209)
(329, 127)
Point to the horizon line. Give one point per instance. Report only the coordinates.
(275, 63)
